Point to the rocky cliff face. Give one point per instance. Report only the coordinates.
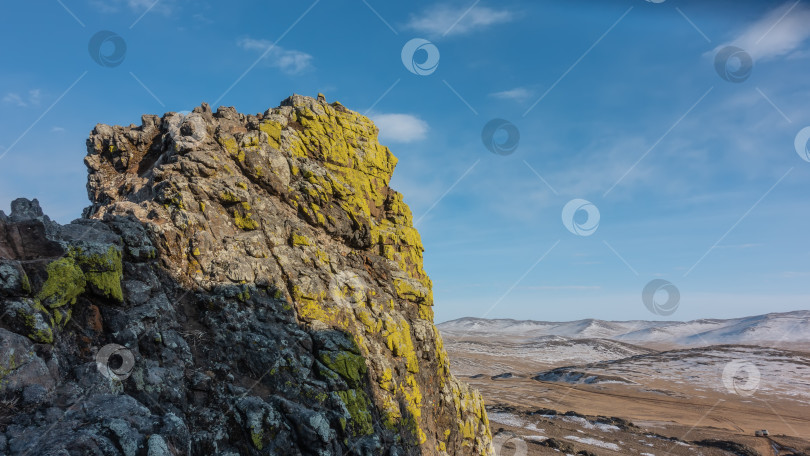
(240, 284)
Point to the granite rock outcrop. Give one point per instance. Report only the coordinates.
(239, 284)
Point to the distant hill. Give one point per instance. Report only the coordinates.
(773, 329)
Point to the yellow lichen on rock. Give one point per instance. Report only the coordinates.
(342, 164)
(309, 182)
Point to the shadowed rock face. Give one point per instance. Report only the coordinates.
(266, 280)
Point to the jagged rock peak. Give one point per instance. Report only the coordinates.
(267, 281)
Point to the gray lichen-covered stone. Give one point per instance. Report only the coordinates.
(157, 446)
(20, 366)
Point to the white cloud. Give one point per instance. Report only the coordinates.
(22, 101)
(444, 19)
(16, 99)
(287, 60)
(778, 33)
(402, 128)
(139, 6)
(516, 94)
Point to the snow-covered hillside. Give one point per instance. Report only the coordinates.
(549, 350)
(746, 371)
(769, 329)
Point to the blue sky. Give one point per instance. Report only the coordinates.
(696, 179)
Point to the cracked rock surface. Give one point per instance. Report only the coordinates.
(239, 285)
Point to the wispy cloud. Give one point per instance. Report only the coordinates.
(141, 4)
(780, 32)
(795, 274)
(446, 19)
(289, 61)
(402, 128)
(31, 99)
(562, 287)
(138, 6)
(202, 18)
(517, 94)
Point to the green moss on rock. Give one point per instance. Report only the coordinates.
(29, 317)
(25, 283)
(256, 438)
(103, 272)
(358, 405)
(80, 271)
(66, 281)
(348, 365)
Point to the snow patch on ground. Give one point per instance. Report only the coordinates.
(506, 418)
(593, 442)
